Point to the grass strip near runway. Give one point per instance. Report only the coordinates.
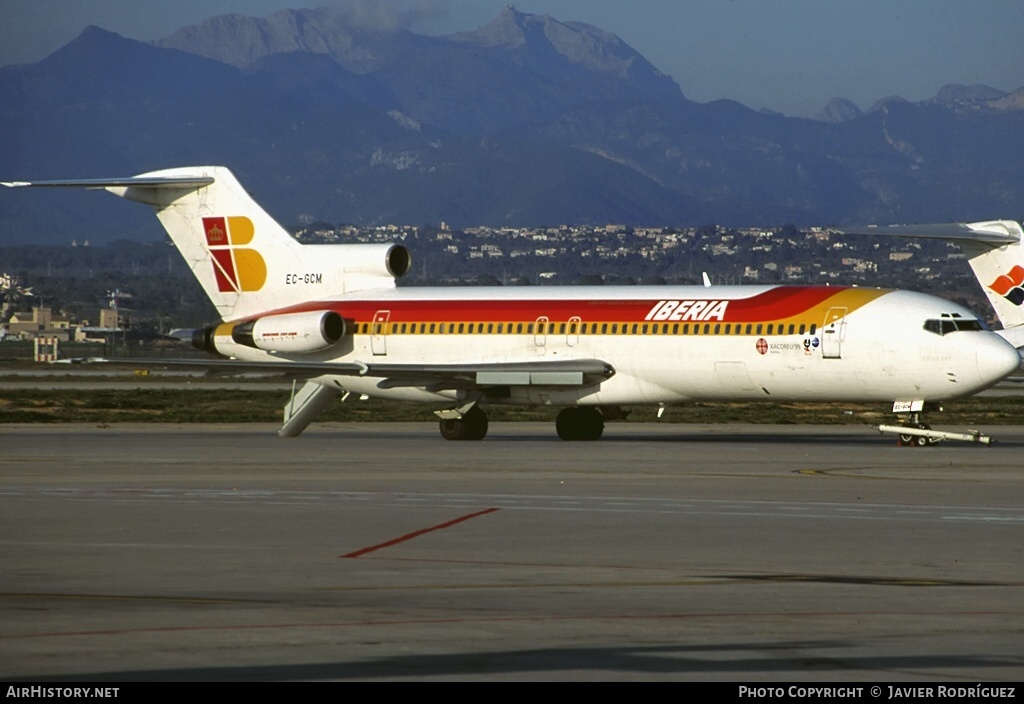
(197, 405)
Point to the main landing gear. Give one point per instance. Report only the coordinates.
(577, 423)
(471, 426)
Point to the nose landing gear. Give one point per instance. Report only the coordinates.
(913, 432)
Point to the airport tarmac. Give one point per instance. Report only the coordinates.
(741, 553)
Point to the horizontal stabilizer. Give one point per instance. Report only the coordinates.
(129, 182)
(995, 233)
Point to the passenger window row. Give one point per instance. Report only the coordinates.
(580, 328)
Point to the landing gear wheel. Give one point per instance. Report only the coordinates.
(475, 422)
(565, 423)
(907, 440)
(579, 424)
(471, 426)
(452, 429)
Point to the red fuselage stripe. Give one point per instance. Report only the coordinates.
(779, 303)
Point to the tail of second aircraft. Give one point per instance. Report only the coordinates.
(999, 268)
(246, 262)
(995, 251)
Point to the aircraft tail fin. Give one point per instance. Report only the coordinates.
(999, 269)
(246, 262)
(995, 251)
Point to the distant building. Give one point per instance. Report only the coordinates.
(109, 326)
(39, 323)
(42, 323)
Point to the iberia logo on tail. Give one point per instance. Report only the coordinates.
(236, 268)
(1009, 286)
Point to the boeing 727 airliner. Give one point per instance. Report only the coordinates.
(333, 316)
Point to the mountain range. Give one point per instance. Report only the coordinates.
(526, 121)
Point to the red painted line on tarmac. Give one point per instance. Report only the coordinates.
(414, 534)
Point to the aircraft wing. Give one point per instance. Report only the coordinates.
(994, 234)
(434, 377)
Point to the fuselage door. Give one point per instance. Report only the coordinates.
(379, 332)
(833, 332)
(572, 332)
(540, 332)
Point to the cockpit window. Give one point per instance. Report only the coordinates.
(954, 323)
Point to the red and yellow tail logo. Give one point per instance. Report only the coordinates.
(236, 268)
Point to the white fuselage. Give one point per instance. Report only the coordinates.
(673, 344)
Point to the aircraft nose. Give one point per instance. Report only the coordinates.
(997, 359)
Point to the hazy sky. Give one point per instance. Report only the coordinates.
(788, 55)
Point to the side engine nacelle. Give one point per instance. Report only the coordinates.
(361, 266)
(289, 332)
(391, 260)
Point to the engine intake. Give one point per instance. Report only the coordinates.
(399, 261)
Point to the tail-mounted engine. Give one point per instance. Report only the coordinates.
(288, 332)
(363, 266)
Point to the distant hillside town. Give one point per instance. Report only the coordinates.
(620, 254)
